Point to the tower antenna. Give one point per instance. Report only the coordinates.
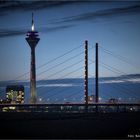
(33, 26)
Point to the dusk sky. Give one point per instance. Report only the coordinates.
(64, 25)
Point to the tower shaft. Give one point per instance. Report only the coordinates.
(32, 40)
(33, 77)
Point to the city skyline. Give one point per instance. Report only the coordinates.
(51, 84)
(63, 26)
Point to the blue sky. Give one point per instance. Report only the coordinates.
(64, 25)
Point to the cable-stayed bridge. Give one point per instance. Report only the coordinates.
(61, 79)
(71, 62)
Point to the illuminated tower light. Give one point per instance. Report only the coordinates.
(33, 26)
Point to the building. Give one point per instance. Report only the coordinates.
(113, 100)
(15, 94)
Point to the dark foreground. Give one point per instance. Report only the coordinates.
(69, 126)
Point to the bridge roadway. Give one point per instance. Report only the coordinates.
(70, 107)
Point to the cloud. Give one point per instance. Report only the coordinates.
(62, 23)
(7, 33)
(131, 78)
(6, 7)
(56, 28)
(111, 81)
(134, 9)
(32, 5)
(132, 81)
(16, 32)
(57, 85)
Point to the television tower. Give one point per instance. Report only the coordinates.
(32, 39)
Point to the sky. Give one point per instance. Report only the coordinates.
(64, 25)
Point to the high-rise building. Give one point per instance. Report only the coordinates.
(15, 94)
(32, 39)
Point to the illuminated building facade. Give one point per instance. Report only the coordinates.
(15, 94)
